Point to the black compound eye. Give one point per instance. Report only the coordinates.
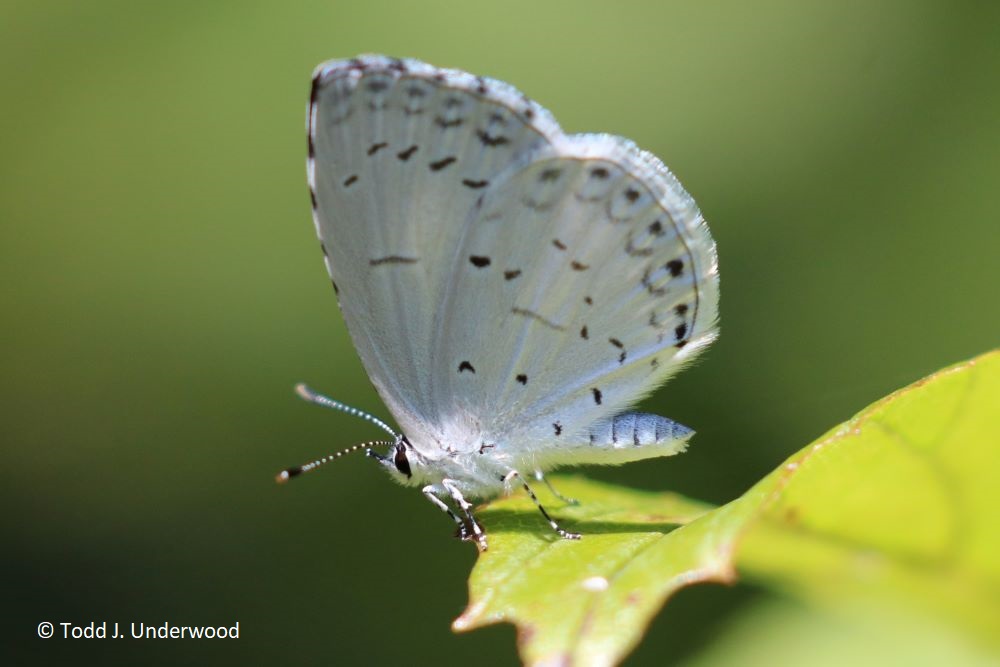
(400, 461)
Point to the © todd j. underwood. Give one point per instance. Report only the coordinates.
(140, 630)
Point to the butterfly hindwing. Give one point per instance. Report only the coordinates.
(601, 282)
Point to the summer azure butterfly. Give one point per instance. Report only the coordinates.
(512, 290)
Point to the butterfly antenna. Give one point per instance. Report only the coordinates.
(288, 473)
(319, 399)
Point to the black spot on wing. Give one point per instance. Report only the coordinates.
(681, 309)
(479, 261)
(559, 244)
(599, 173)
(584, 334)
(375, 148)
(466, 366)
(511, 274)
(557, 427)
(522, 378)
(597, 395)
(442, 163)
(491, 141)
(617, 343)
(350, 180)
(579, 266)
(475, 185)
(446, 123)
(392, 259)
(675, 266)
(405, 155)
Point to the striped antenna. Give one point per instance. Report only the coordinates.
(288, 473)
(319, 399)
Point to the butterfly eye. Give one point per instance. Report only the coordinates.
(400, 461)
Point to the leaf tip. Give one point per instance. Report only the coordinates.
(469, 618)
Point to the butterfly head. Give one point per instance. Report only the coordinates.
(400, 459)
(405, 464)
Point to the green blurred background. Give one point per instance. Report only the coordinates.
(161, 292)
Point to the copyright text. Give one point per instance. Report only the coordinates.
(135, 630)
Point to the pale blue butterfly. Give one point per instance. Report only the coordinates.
(511, 290)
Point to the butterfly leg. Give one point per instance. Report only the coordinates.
(429, 491)
(540, 476)
(466, 506)
(555, 526)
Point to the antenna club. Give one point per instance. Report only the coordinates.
(282, 477)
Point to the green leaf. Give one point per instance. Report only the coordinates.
(781, 631)
(898, 507)
(587, 600)
(897, 504)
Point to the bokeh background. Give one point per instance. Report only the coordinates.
(161, 292)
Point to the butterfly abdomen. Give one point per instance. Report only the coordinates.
(631, 436)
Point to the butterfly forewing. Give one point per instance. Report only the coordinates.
(399, 153)
(504, 283)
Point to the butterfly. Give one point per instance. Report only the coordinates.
(511, 289)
